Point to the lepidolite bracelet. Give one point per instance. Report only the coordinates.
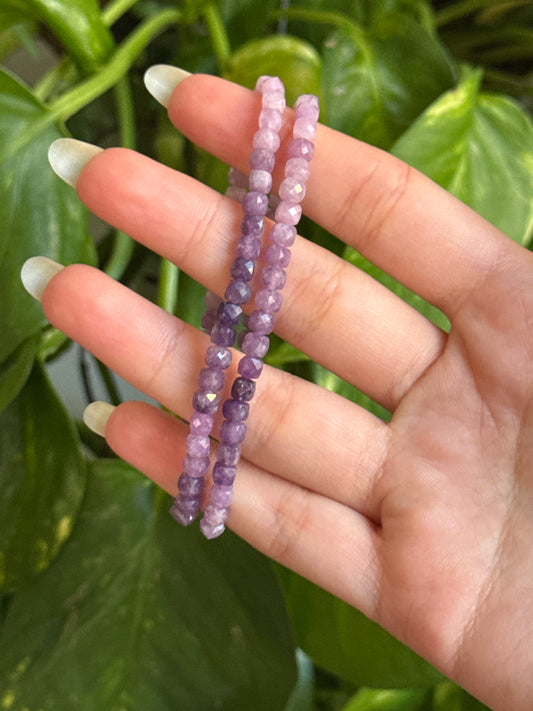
(222, 322)
(261, 322)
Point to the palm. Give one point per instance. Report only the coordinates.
(423, 523)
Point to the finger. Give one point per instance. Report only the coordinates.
(381, 344)
(292, 422)
(399, 219)
(319, 538)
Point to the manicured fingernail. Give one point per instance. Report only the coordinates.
(162, 79)
(35, 274)
(68, 157)
(96, 415)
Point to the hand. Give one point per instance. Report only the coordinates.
(425, 523)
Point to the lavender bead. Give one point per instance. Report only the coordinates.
(209, 318)
(297, 168)
(252, 225)
(255, 344)
(301, 148)
(242, 269)
(187, 504)
(237, 179)
(255, 203)
(250, 367)
(218, 357)
(261, 322)
(304, 128)
(292, 190)
(232, 432)
(274, 100)
(211, 531)
(198, 445)
(222, 335)
(269, 302)
(228, 454)
(283, 234)
(267, 83)
(190, 486)
(194, 466)
(221, 496)
(243, 389)
(262, 159)
(236, 194)
(182, 517)
(235, 410)
(238, 292)
(223, 475)
(261, 181)
(307, 105)
(270, 118)
(266, 139)
(211, 300)
(201, 423)
(215, 515)
(229, 314)
(211, 379)
(249, 247)
(205, 401)
(277, 256)
(273, 277)
(288, 212)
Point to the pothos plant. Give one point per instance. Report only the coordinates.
(105, 603)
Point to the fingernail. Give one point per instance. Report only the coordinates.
(35, 274)
(68, 157)
(162, 79)
(96, 415)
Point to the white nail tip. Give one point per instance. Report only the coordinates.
(162, 79)
(96, 415)
(36, 273)
(68, 157)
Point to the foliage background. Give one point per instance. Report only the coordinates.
(104, 604)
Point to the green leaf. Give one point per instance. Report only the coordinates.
(479, 147)
(330, 381)
(294, 61)
(450, 697)
(377, 80)
(387, 700)
(40, 214)
(342, 640)
(137, 613)
(15, 369)
(42, 477)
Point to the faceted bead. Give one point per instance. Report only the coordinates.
(249, 247)
(205, 401)
(304, 128)
(236, 194)
(307, 105)
(262, 159)
(268, 301)
(229, 314)
(222, 335)
(190, 486)
(255, 203)
(292, 190)
(211, 531)
(242, 389)
(250, 367)
(270, 118)
(221, 495)
(216, 515)
(297, 168)
(194, 466)
(198, 445)
(236, 178)
(267, 83)
(288, 212)
(182, 517)
(273, 277)
(232, 432)
(223, 475)
(274, 100)
(261, 181)
(301, 148)
(266, 139)
(283, 234)
(200, 423)
(218, 357)
(235, 410)
(238, 292)
(228, 454)
(261, 322)
(277, 256)
(255, 344)
(252, 226)
(209, 318)
(187, 504)
(211, 379)
(242, 269)
(211, 300)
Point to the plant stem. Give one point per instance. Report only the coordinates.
(109, 383)
(167, 294)
(315, 16)
(218, 34)
(462, 8)
(114, 10)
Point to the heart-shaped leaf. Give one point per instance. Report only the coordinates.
(15, 369)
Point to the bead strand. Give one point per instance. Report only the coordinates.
(261, 322)
(221, 324)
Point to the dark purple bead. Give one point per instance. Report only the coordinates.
(301, 148)
(255, 203)
(252, 225)
(261, 159)
(190, 486)
(188, 504)
(218, 357)
(194, 466)
(232, 432)
(211, 379)
(261, 322)
(223, 475)
(242, 269)
(228, 454)
(182, 517)
(209, 318)
(235, 410)
(221, 495)
(283, 234)
(249, 247)
(243, 389)
(255, 344)
(198, 445)
(269, 301)
(250, 367)
(205, 401)
(222, 335)
(229, 314)
(277, 256)
(238, 292)
(201, 423)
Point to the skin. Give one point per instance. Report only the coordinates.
(424, 523)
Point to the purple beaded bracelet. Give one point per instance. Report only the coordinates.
(221, 318)
(261, 322)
